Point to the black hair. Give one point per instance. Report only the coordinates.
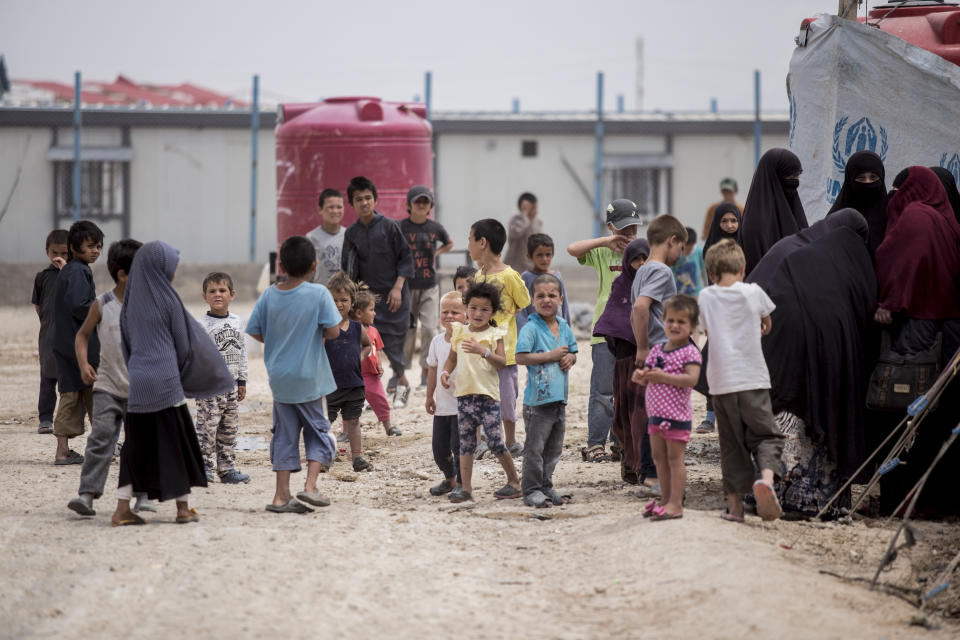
(683, 302)
(360, 183)
(218, 276)
(80, 232)
(492, 231)
(297, 255)
(330, 193)
(484, 290)
(120, 256)
(463, 271)
(526, 197)
(691, 236)
(57, 236)
(538, 240)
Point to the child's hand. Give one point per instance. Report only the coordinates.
(445, 379)
(472, 346)
(59, 263)
(87, 373)
(656, 376)
(567, 361)
(617, 243)
(558, 353)
(639, 376)
(431, 405)
(765, 324)
(241, 392)
(641, 358)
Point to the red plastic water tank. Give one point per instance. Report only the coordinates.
(322, 145)
(931, 25)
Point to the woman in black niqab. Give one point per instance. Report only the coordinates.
(773, 209)
(946, 178)
(869, 198)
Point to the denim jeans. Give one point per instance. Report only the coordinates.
(544, 426)
(600, 406)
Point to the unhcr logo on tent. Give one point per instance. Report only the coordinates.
(847, 140)
(952, 165)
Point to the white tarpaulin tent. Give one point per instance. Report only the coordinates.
(854, 87)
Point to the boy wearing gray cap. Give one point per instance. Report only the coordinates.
(422, 235)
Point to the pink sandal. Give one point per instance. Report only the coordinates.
(649, 508)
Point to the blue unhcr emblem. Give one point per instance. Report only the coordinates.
(952, 165)
(859, 136)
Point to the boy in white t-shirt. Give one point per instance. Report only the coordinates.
(735, 315)
(443, 406)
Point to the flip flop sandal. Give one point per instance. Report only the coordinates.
(126, 522)
(291, 507)
(393, 431)
(536, 499)
(507, 492)
(768, 507)
(313, 498)
(557, 498)
(649, 507)
(628, 476)
(72, 458)
(193, 517)
(459, 495)
(656, 517)
(726, 515)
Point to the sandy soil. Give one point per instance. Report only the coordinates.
(387, 559)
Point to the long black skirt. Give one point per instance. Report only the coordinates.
(161, 455)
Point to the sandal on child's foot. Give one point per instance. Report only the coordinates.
(516, 450)
(557, 498)
(729, 517)
(393, 431)
(507, 492)
(649, 507)
(234, 476)
(594, 453)
(314, 498)
(536, 499)
(359, 464)
(768, 507)
(192, 516)
(442, 488)
(82, 505)
(660, 513)
(459, 495)
(705, 427)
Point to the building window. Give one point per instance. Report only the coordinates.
(642, 185)
(528, 148)
(102, 189)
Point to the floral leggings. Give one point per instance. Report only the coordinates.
(475, 411)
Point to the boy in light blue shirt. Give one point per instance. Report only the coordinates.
(547, 347)
(292, 319)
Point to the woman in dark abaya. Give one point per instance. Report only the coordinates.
(825, 292)
(725, 225)
(917, 266)
(953, 195)
(865, 190)
(773, 209)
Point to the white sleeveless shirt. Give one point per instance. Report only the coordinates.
(112, 375)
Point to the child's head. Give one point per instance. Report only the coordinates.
(668, 234)
(680, 316)
(344, 292)
(298, 257)
(487, 237)
(635, 255)
(120, 257)
(218, 292)
(540, 251)
(362, 195)
(725, 257)
(57, 245)
(451, 309)
(482, 300)
(463, 278)
(729, 222)
(691, 241)
(546, 296)
(419, 202)
(330, 206)
(85, 241)
(364, 308)
(623, 219)
(527, 203)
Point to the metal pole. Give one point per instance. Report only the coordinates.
(428, 94)
(77, 123)
(620, 103)
(757, 132)
(254, 131)
(598, 161)
(516, 105)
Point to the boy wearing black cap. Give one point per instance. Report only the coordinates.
(422, 235)
(605, 255)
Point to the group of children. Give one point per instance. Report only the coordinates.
(322, 355)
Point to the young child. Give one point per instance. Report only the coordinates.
(735, 315)
(442, 402)
(652, 285)
(463, 278)
(75, 293)
(364, 311)
(169, 358)
(487, 238)
(44, 292)
(423, 235)
(540, 252)
(218, 418)
(292, 319)
(689, 270)
(346, 351)
(548, 349)
(670, 372)
(605, 255)
(110, 382)
(327, 239)
(477, 352)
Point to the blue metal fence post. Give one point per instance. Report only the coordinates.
(757, 131)
(516, 105)
(621, 104)
(254, 133)
(77, 123)
(598, 161)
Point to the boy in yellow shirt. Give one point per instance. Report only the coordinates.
(487, 238)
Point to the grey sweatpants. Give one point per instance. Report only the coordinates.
(746, 427)
(544, 425)
(108, 412)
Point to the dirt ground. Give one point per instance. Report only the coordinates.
(388, 559)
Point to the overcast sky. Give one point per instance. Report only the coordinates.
(482, 54)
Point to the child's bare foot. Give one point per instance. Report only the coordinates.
(768, 507)
(734, 510)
